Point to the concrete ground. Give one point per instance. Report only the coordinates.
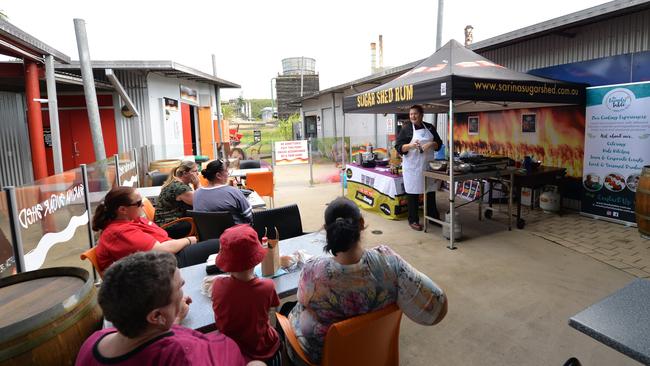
(510, 293)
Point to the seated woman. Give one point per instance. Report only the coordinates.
(142, 296)
(237, 153)
(176, 197)
(125, 231)
(219, 196)
(364, 280)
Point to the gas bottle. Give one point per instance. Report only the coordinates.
(549, 200)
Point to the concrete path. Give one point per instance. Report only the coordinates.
(510, 293)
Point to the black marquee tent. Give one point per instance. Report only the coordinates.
(455, 79)
(473, 82)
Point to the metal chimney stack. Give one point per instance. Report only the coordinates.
(381, 52)
(373, 57)
(469, 35)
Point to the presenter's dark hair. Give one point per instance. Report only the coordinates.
(418, 108)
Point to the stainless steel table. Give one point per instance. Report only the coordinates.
(201, 315)
(621, 321)
(461, 177)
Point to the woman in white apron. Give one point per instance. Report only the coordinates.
(417, 144)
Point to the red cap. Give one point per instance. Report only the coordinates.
(240, 249)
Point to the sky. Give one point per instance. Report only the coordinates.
(250, 38)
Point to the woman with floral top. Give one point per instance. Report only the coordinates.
(176, 197)
(356, 281)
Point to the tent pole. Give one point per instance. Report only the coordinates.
(452, 186)
(342, 149)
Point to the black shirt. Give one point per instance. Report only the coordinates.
(406, 135)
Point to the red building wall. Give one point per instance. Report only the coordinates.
(74, 126)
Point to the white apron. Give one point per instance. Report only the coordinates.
(414, 163)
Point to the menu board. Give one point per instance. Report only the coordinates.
(617, 146)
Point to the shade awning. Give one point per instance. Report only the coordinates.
(476, 83)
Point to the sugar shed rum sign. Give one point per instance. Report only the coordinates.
(617, 146)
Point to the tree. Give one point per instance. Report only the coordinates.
(228, 111)
(285, 127)
(257, 105)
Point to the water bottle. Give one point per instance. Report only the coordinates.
(528, 164)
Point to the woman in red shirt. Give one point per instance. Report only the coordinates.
(124, 230)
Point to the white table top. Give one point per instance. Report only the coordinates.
(201, 315)
(237, 173)
(153, 192)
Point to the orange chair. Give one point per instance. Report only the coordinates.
(92, 257)
(262, 183)
(150, 212)
(369, 339)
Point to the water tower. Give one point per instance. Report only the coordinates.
(296, 71)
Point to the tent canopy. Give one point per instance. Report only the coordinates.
(473, 82)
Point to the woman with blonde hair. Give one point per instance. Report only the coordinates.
(176, 197)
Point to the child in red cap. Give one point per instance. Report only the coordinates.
(241, 300)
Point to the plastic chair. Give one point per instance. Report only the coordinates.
(91, 255)
(262, 183)
(286, 219)
(210, 225)
(157, 178)
(150, 213)
(250, 164)
(369, 339)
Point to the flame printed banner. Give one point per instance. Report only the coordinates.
(554, 136)
(617, 146)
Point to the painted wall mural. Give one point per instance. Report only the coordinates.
(555, 136)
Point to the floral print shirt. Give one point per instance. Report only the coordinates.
(329, 292)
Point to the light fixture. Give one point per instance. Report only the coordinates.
(318, 118)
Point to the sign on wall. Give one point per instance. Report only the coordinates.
(47, 137)
(189, 95)
(172, 117)
(617, 140)
(291, 152)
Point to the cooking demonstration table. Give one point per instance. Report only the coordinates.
(493, 174)
(536, 178)
(377, 189)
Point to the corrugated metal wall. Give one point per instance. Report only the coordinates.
(132, 132)
(15, 156)
(625, 34)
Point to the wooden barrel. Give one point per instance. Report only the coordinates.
(642, 203)
(46, 316)
(163, 166)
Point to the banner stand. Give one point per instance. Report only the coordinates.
(617, 136)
